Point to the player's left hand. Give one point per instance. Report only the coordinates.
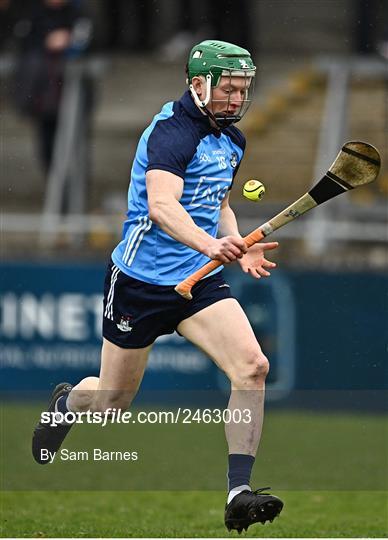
(254, 261)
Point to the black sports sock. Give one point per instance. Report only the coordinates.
(240, 468)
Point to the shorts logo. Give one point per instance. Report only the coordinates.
(233, 160)
(124, 324)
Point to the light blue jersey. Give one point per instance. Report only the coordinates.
(179, 140)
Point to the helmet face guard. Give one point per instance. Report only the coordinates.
(221, 63)
(231, 115)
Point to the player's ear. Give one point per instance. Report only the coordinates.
(197, 83)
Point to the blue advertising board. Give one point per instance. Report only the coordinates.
(319, 330)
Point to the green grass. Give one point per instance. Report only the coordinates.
(187, 514)
(330, 469)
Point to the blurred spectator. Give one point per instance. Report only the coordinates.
(50, 32)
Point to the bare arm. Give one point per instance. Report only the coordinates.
(228, 221)
(164, 191)
(253, 262)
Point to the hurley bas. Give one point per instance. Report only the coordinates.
(97, 454)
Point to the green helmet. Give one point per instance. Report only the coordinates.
(214, 59)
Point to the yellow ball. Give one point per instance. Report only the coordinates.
(253, 190)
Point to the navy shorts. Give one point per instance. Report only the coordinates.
(136, 313)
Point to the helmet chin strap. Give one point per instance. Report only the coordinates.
(222, 121)
(199, 102)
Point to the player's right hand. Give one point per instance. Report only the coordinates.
(227, 249)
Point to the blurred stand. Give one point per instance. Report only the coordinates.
(334, 130)
(366, 28)
(315, 91)
(68, 176)
(129, 24)
(53, 88)
(220, 19)
(169, 28)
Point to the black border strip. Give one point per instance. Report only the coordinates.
(339, 180)
(361, 156)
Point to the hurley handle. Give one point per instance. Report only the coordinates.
(185, 286)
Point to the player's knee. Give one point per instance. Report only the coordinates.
(263, 367)
(254, 369)
(257, 367)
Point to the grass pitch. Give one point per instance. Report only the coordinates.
(331, 470)
(187, 514)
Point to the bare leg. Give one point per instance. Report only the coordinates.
(121, 373)
(223, 332)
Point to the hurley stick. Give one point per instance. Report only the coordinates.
(357, 163)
